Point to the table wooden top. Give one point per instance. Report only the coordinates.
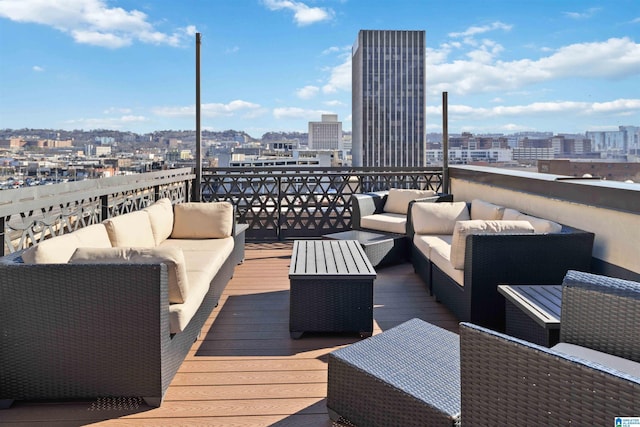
(329, 259)
(542, 302)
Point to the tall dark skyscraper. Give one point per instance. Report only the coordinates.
(388, 105)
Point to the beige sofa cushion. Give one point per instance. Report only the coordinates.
(440, 256)
(485, 210)
(171, 256)
(202, 220)
(386, 222)
(426, 242)
(93, 236)
(398, 199)
(543, 226)
(56, 250)
(130, 230)
(465, 228)
(161, 219)
(438, 218)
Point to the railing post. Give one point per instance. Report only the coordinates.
(3, 230)
(445, 143)
(279, 208)
(104, 207)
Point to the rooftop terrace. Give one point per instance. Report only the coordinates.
(245, 370)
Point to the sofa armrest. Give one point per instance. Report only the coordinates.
(366, 204)
(505, 380)
(602, 313)
(438, 198)
(69, 327)
(494, 259)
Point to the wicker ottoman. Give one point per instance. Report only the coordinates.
(406, 376)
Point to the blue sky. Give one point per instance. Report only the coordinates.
(274, 65)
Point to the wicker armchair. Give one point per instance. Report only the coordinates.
(506, 381)
(365, 204)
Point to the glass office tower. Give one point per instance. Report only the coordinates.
(388, 98)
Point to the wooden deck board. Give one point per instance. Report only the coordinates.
(245, 370)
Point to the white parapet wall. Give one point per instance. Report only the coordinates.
(617, 232)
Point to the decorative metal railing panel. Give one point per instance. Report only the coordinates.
(30, 215)
(282, 203)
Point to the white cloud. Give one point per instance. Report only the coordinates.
(339, 77)
(615, 58)
(583, 15)
(115, 110)
(38, 68)
(123, 122)
(615, 107)
(92, 22)
(233, 49)
(298, 113)
(237, 107)
(472, 31)
(334, 103)
(302, 14)
(307, 92)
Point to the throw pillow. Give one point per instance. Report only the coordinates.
(173, 257)
(398, 199)
(202, 220)
(465, 228)
(438, 218)
(485, 210)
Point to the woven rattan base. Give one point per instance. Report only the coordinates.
(406, 376)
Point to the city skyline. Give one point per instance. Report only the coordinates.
(273, 65)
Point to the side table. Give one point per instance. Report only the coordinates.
(380, 248)
(533, 312)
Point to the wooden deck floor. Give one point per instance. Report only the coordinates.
(245, 370)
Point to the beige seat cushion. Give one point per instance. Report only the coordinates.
(181, 314)
(161, 219)
(485, 210)
(618, 363)
(466, 228)
(171, 256)
(441, 257)
(387, 222)
(543, 226)
(205, 255)
(130, 230)
(56, 250)
(93, 236)
(438, 218)
(398, 199)
(202, 220)
(425, 242)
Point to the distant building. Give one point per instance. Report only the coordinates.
(326, 134)
(614, 143)
(614, 171)
(388, 98)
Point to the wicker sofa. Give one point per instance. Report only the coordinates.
(590, 378)
(112, 309)
(464, 250)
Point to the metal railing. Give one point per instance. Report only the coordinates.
(276, 203)
(294, 202)
(30, 215)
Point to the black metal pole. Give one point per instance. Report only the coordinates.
(445, 143)
(196, 188)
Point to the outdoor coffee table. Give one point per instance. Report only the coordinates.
(533, 312)
(331, 288)
(380, 248)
